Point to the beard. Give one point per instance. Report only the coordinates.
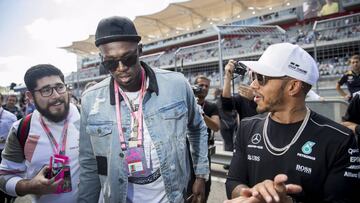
(55, 117)
(273, 102)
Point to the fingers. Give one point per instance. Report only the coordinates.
(267, 191)
(229, 68)
(293, 189)
(246, 192)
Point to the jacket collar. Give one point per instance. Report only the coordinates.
(150, 74)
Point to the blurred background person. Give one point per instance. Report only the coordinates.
(330, 7)
(11, 105)
(6, 121)
(351, 79)
(212, 121)
(228, 123)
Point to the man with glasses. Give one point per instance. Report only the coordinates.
(290, 153)
(41, 153)
(134, 126)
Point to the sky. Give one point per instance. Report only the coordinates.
(31, 31)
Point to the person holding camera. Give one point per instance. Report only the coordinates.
(40, 157)
(211, 117)
(134, 127)
(245, 106)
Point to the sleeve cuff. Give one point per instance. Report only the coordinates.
(203, 176)
(11, 185)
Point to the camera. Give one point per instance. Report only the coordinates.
(240, 68)
(197, 89)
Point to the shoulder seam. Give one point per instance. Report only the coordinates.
(329, 126)
(253, 118)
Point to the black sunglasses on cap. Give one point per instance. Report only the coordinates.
(112, 64)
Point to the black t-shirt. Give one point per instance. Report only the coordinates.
(352, 81)
(210, 109)
(324, 160)
(353, 110)
(244, 107)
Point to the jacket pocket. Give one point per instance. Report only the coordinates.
(100, 137)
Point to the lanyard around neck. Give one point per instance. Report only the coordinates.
(139, 112)
(55, 146)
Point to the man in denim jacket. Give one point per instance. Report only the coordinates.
(134, 126)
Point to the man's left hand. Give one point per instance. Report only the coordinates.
(198, 190)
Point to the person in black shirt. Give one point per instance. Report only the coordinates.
(245, 107)
(351, 78)
(352, 116)
(211, 118)
(291, 154)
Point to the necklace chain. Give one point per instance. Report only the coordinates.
(280, 151)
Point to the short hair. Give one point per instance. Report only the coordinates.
(203, 77)
(306, 88)
(12, 95)
(37, 72)
(355, 57)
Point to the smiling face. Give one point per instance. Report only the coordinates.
(121, 59)
(55, 106)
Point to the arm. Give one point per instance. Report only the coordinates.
(89, 187)
(229, 69)
(341, 184)
(237, 176)
(13, 168)
(338, 87)
(212, 122)
(197, 136)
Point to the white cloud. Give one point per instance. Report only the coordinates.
(70, 21)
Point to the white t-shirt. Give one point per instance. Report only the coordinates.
(153, 192)
(38, 150)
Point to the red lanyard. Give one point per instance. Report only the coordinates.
(139, 112)
(53, 142)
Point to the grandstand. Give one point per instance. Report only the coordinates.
(198, 37)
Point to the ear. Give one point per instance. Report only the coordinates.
(29, 95)
(140, 47)
(295, 87)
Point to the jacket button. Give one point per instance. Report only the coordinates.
(99, 130)
(121, 155)
(121, 180)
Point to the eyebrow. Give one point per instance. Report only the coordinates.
(52, 85)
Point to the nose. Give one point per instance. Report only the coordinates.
(122, 67)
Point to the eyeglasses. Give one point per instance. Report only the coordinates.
(262, 79)
(112, 64)
(48, 90)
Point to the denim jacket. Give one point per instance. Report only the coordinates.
(171, 114)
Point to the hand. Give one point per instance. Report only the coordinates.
(246, 91)
(198, 190)
(274, 191)
(38, 185)
(347, 97)
(243, 199)
(349, 125)
(229, 68)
